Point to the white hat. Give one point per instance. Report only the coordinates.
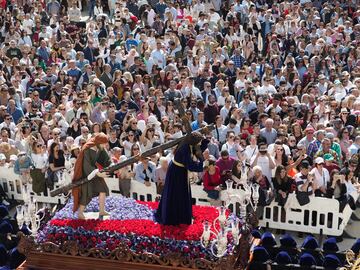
(13, 157)
(141, 125)
(319, 160)
(152, 120)
(2, 157)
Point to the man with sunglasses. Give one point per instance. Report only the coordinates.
(71, 113)
(8, 123)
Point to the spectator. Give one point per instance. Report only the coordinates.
(283, 185)
(145, 171)
(321, 177)
(39, 161)
(304, 180)
(160, 174)
(56, 164)
(240, 173)
(265, 190)
(225, 164)
(264, 160)
(212, 182)
(268, 132)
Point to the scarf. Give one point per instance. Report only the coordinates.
(78, 168)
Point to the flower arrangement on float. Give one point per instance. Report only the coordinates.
(132, 222)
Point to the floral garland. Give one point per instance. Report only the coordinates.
(131, 222)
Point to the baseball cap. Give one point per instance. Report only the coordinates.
(328, 157)
(319, 160)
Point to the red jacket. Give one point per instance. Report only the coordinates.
(212, 181)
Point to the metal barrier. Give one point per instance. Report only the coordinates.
(320, 216)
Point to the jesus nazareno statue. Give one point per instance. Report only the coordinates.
(176, 202)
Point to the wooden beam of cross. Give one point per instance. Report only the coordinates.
(131, 160)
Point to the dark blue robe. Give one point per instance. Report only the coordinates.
(176, 203)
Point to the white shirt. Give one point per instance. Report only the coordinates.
(159, 58)
(78, 138)
(224, 112)
(264, 90)
(11, 126)
(264, 163)
(236, 130)
(251, 151)
(194, 90)
(286, 148)
(151, 16)
(28, 25)
(219, 134)
(321, 180)
(39, 160)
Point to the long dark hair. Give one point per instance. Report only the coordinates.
(278, 174)
(234, 170)
(52, 147)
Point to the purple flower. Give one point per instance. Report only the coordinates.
(119, 207)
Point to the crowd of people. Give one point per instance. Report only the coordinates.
(278, 79)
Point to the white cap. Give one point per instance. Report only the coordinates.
(2, 157)
(319, 160)
(13, 157)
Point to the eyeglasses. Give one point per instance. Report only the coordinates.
(56, 134)
(35, 95)
(7, 118)
(134, 123)
(131, 135)
(39, 145)
(247, 121)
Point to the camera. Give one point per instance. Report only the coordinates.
(339, 178)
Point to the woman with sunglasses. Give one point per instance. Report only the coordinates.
(39, 159)
(147, 139)
(345, 142)
(127, 140)
(321, 177)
